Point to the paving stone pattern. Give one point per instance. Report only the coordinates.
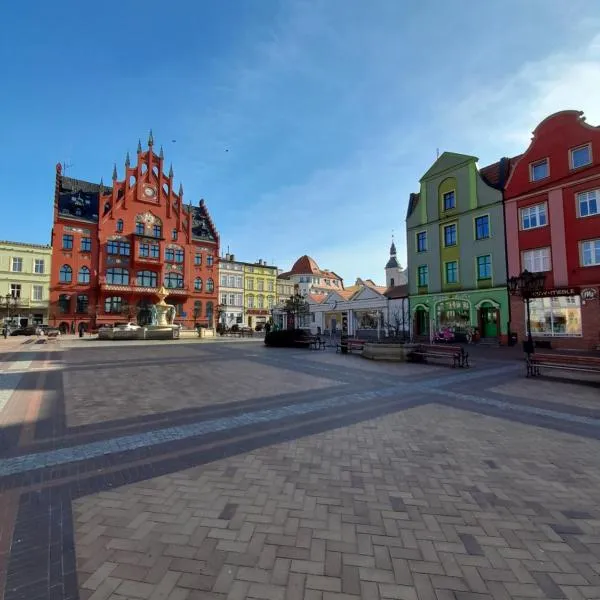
(188, 470)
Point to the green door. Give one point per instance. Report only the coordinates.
(489, 322)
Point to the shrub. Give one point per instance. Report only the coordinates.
(287, 338)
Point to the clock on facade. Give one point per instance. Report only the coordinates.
(149, 192)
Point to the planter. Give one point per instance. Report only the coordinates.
(391, 352)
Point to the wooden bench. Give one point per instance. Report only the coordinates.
(565, 362)
(317, 344)
(456, 354)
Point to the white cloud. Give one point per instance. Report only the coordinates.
(502, 117)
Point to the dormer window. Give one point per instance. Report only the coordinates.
(449, 200)
(580, 157)
(539, 170)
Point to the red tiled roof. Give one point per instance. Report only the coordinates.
(398, 291)
(305, 265)
(497, 173)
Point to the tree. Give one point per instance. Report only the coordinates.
(297, 307)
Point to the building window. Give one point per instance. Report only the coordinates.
(484, 267)
(452, 272)
(147, 278)
(15, 290)
(450, 235)
(423, 275)
(179, 255)
(67, 242)
(422, 241)
(209, 311)
(250, 301)
(113, 304)
(38, 266)
(198, 260)
(223, 298)
(270, 286)
(223, 280)
(64, 302)
(139, 228)
(157, 231)
(17, 265)
(539, 170)
(260, 285)
(449, 200)
(117, 276)
(174, 234)
(84, 275)
(198, 284)
(587, 203)
(238, 281)
(261, 302)
(580, 157)
(482, 227)
(556, 317)
(250, 284)
(197, 309)
(537, 260)
(534, 216)
(86, 244)
(590, 253)
(120, 226)
(154, 251)
(174, 280)
(65, 274)
(232, 299)
(118, 247)
(144, 250)
(209, 260)
(170, 255)
(270, 302)
(210, 285)
(37, 292)
(82, 303)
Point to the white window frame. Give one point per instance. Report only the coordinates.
(35, 288)
(573, 150)
(16, 289)
(444, 194)
(579, 198)
(426, 284)
(535, 164)
(582, 250)
(529, 209)
(41, 262)
(12, 264)
(543, 256)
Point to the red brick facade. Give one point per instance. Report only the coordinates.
(114, 247)
(552, 208)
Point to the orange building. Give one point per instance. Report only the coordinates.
(114, 247)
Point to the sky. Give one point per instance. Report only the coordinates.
(304, 124)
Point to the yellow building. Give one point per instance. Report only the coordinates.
(260, 291)
(24, 282)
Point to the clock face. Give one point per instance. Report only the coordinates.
(149, 192)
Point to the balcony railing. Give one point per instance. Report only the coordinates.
(113, 287)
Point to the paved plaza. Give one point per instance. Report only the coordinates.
(208, 470)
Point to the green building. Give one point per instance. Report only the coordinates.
(456, 250)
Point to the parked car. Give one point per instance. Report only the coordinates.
(27, 330)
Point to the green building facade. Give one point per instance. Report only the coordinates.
(456, 251)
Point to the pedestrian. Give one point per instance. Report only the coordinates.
(5, 331)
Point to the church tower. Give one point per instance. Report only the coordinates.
(394, 275)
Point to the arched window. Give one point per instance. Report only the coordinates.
(64, 302)
(113, 304)
(170, 255)
(210, 285)
(392, 283)
(198, 284)
(174, 234)
(197, 309)
(66, 274)
(82, 303)
(147, 278)
(120, 225)
(117, 276)
(83, 275)
(174, 280)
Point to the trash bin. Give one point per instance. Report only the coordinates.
(344, 344)
(513, 339)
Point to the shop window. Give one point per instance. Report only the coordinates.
(556, 317)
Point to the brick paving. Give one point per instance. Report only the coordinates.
(191, 470)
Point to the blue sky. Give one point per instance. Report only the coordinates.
(304, 124)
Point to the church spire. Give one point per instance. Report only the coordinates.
(150, 139)
(115, 172)
(139, 146)
(127, 161)
(161, 153)
(171, 171)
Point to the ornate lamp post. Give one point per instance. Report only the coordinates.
(221, 308)
(527, 285)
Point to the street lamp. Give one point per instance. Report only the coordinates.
(527, 285)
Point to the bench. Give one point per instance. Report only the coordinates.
(565, 362)
(317, 344)
(303, 343)
(456, 354)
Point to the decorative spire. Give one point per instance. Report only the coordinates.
(393, 248)
(139, 146)
(161, 154)
(150, 139)
(171, 171)
(180, 189)
(115, 172)
(127, 161)
(101, 185)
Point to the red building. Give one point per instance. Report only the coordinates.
(114, 247)
(552, 208)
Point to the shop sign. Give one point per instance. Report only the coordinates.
(589, 294)
(552, 293)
